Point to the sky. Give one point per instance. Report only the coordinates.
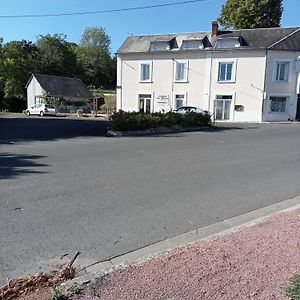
(118, 25)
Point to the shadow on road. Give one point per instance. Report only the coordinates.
(13, 165)
(45, 129)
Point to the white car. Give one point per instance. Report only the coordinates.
(188, 109)
(41, 109)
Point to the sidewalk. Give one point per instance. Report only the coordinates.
(253, 263)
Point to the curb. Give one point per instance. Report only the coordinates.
(224, 227)
(155, 131)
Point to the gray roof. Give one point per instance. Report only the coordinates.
(261, 38)
(58, 86)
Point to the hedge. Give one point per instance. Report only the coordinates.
(125, 121)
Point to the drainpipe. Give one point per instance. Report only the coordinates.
(210, 89)
(264, 88)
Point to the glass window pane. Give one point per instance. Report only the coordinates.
(227, 110)
(278, 104)
(145, 72)
(222, 71)
(179, 101)
(180, 71)
(229, 71)
(219, 109)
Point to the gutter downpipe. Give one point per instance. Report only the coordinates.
(264, 88)
(209, 89)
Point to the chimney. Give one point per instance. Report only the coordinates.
(214, 28)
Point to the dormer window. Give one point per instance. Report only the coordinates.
(192, 44)
(159, 46)
(228, 43)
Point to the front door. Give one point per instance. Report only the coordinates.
(145, 103)
(223, 107)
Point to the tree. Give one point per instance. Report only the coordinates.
(18, 61)
(94, 57)
(239, 14)
(57, 56)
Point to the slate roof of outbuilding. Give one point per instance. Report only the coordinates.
(59, 86)
(260, 38)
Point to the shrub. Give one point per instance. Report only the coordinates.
(14, 104)
(124, 121)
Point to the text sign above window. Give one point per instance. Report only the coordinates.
(162, 99)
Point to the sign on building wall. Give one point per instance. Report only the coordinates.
(162, 100)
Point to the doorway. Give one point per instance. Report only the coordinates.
(145, 103)
(223, 107)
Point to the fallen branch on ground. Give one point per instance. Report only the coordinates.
(21, 286)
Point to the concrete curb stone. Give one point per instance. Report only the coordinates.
(224, 227)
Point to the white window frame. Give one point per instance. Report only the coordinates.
(184, 99)
(189, 44)
(151, 100)
(232, 61)
(150, 63)
(185, 78)
(232, 104)
(288, 72)
(288, 97)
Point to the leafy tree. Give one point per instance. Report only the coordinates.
(18, 61)
(94, 57)
(56, 55)
(240, 14)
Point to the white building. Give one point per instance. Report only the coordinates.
(247, 75)
(71, 89)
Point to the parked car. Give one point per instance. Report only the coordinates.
(188, 109)
(41, 109)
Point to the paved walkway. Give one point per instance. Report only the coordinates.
(252, 263)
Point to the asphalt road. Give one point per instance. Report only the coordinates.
(65, 187)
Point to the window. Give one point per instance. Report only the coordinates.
(278, 104)
(145, 72)
(144, 103)
(282, 71)
(223, 107)
(192, 44)
(181, 71)
(228, 43)
(159, 46)
(179, 100)
(226, 71)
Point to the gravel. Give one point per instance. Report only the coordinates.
(254, 263)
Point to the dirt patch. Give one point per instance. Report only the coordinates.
(40, 283)
(253, 263)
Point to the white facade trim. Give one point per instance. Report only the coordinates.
(234, 68)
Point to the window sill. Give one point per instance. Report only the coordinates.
(225, 81)
(181, 81)
(145, 81)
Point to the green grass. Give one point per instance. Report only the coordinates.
(5, 113)
(292, 290)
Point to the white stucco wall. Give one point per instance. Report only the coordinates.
(162, 82)
(247, 86)
(33, 89)
(250, 89)
(277, 88)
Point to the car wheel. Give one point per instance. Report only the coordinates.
(27, 113)
(41, 113)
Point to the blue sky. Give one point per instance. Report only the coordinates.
(183, 18)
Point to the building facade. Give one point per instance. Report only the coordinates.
(238, 76)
